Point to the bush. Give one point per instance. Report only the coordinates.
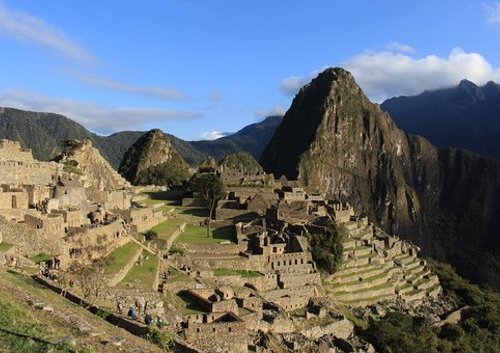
(150, 235)
(162, 339)
(327, 249)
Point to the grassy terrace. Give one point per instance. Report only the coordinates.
(165, 229)
(141, 276)
(366, 280)
(41, 257)
(5, 247)
(374, 288)
(198, 235)
(234, 272)
(372, 299)
(120, 257)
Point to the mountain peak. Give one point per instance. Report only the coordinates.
(467, 84)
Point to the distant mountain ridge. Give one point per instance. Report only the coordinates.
(466, 116)
(43, 133)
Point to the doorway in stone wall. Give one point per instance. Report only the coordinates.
(14, 201)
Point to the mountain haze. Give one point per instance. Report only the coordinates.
(446, 200)
(44, 132)
(466, 116)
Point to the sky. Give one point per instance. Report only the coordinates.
(199, 69)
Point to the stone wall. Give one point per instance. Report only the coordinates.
(340, 329)
(110, 199)
(235, 214)
(12, 151)
(14, 199)
(28, 173)
(223, 337)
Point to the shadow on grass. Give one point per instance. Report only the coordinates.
(189, 302)
(197, 212)
(169, 195)
(225, 233)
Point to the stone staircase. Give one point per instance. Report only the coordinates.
(371, 274)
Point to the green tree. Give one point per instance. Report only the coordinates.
(172, 173)
(327, 249)
(211, 189)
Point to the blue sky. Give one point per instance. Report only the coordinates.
(199, 68)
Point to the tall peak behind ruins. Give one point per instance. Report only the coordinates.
(151, 149)
(339, 143)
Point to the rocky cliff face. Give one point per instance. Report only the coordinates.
(446, 200)
(151, 149)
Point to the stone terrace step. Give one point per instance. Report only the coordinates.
(368, 282)
(406, 259)
(349, 244)
(362, 250)
(365, 271)
(405, 288)
(428, 283)
(364, 235)
(372, 291)
(414, 264)
(413, 277)
(351, 269)
(416, 294)
(368, 301)
(434, 290)
(351, 225)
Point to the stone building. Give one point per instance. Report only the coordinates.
(217, 332)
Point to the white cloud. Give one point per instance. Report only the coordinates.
(276, 110)
(291, 85)
(212, 135)
(96, 117)
(24, 27)
(386, 74)
(399, 47)
(493, 12)
(157, 92)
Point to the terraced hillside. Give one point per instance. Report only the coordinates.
(377, 267)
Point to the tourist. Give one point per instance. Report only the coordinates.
(119, 307)
(132, 313)
(148, 319)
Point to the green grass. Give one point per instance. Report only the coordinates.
(5, 247)
(198, 235)
(234, 272)
(141, 276)
(150, 202)
(42, 257)
(120, 257)
(20, 332)
(166, 228)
